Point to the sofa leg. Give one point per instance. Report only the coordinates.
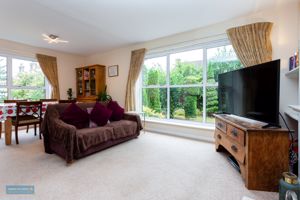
(69, 162)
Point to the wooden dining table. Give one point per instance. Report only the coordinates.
(7, 111)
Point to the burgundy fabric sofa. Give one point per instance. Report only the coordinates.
(71, 143)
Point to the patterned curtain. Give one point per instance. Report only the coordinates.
(252, 43)
(48, 65)
(136, 62)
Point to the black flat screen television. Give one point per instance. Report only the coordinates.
(251, 92)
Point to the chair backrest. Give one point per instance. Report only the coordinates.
(13, 101)
(29, 108)
(67, 101)
(48, 100)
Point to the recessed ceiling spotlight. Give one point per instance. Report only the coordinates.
(53, 39)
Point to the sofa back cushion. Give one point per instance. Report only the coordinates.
(92, 124)
(117, 111)
(100, 114)
(74, 115)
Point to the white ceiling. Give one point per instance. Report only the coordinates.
(101, 25)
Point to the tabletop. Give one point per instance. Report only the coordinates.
(9, 109)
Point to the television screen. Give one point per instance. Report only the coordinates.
(251, 92)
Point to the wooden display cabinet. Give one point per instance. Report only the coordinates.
(90, 81)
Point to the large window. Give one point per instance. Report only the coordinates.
(182, 85)
(21, 79)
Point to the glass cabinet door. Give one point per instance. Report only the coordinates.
(93, 81)
(86, 78)
(90, 81)
(79, 82)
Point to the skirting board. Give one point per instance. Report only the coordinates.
(185, 132)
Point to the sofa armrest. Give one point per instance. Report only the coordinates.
(56, 131)
(63, 125)
(64, 133)
(134, 117)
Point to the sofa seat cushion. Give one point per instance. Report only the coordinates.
(88, 137)
(123, 128)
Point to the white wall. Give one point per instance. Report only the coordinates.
(66, 62)
(116, 86)
(299, 27)
(284, 41)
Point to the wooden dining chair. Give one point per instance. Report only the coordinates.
(67, 101)
(28, 113)
(48, 100)
(12, 101)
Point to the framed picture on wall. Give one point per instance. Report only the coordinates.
(113, 70)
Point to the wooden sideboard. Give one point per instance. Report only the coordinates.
(261, 153)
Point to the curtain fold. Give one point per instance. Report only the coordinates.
(48, 65)
(136, 62)
(252, 42)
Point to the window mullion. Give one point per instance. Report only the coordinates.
(155, 86)
(28, 87)
(47, 88)
(9, 77)
(186, 86)
(204, 83)
(168, 86)
(140, 94)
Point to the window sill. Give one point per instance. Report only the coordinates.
(185, 124)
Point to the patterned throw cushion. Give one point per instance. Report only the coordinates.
(74, 115)
(117, 111)
(100, 114)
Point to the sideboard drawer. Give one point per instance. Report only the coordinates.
(232, 147)
(235, 149)
(221, 125)
(236, 134)
(219, 136)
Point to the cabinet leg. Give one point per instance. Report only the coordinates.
(243, 171)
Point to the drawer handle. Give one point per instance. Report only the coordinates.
(234, 148)
(219, 136)
(234, 132)
(220, 125)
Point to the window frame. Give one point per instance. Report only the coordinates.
(9, 75)
(204, 85)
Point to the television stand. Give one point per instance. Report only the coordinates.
(262, 154)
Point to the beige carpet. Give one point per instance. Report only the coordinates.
(152, 167)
